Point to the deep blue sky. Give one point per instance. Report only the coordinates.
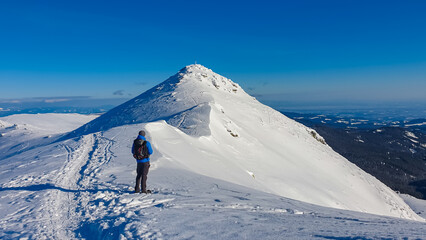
(285, 51)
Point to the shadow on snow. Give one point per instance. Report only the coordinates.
(47, 186)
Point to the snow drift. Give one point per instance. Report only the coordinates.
(209, 125)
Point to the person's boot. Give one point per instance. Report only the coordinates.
(137, 189)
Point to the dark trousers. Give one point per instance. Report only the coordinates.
(142, 171)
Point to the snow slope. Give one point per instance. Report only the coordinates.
(80, 189)
(225, 167)
(25, 131)
(247, 143)
(418, 205)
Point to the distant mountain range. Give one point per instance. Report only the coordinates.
(82, 105)
(394, 151)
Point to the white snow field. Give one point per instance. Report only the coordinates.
(25, 131)
(224, 167)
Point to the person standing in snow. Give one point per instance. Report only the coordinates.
(141, 151)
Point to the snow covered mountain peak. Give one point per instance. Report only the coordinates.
(208, 125)
(183, 100)
(197, 72)
(195, 67)
(224, 166)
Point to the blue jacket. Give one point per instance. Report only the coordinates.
(148, 145)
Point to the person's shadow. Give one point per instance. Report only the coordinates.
(49, 186)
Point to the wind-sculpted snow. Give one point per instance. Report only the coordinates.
(194, 121)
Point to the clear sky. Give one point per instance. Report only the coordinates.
(300, 51)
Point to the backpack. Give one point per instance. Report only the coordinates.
(140, 150)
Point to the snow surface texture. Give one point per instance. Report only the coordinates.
(79, 188)
(229, 177)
